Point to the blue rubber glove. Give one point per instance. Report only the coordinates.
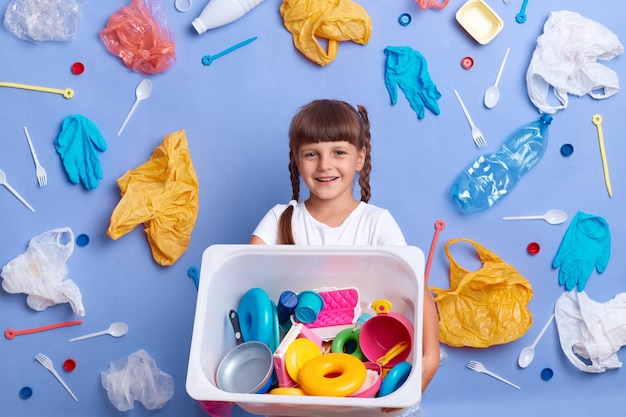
(408, 69)
(78, 144)
(586, 244)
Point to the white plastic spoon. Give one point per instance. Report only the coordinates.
(142, 92)
(551, 216)
(492, 95)
(527, 354)
(116, 329)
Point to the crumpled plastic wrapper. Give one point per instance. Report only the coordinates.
(432, 4)
(137, 378)
(566, 59)
(338, 20)
(216, 408)
(161, 194)
(140, 35)
(40, 272)
(590, 332)
(44, 20)
(485, 307)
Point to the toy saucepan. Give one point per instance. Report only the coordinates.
(247, 368)
(386, 334)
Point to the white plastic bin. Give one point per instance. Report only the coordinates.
(228, 271)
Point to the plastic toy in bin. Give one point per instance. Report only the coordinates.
(341, 310)
(258, 318)
(384, 333)
(297, 331)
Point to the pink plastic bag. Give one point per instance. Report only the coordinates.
(216, 408)
(427, 4)
(140, 35)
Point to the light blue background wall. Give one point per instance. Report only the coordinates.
(236, 114)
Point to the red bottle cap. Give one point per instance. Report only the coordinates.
(467, 62)
(69, 365)
(78, 68)
(533, 248)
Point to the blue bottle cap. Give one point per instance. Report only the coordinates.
(82, 240)
(547, 374)
(26, 392)
(567, 149)
(546, 119)
(404, 19)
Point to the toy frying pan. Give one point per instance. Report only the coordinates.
(246, 368)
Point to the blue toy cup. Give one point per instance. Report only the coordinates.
(309, 306)
(287, 303)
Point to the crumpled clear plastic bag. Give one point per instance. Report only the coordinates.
(140, 35)
(44, 20)
(137, 378)
(338, 20)
(162, 193)
(40, 272)
(566, 59)
(485, 307)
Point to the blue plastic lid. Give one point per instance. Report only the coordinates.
(26, 392)
(546, 118)
(547, 374)
(567, 149)
(82, 240)
(404, 19)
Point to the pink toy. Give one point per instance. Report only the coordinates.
(340, 311)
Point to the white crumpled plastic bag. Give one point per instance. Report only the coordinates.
(591, 333)
(40, 272)
(565, 59)
(137, 378)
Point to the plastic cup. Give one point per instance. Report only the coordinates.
(309, 306)
(287, 303)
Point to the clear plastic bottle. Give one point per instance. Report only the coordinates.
(492, 176)
(221, 12)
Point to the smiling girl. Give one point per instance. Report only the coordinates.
(329, 143)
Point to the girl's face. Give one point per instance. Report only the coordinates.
(328, 168)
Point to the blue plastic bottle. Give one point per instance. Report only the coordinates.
(492, 176)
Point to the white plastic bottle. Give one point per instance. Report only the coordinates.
(221, 12)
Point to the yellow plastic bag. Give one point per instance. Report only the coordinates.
(336, 20)
(484, 307)
(162, 193)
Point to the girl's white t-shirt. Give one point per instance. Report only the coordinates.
(367, 225)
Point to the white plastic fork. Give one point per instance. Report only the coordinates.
(508, 1)
(3, 181)
(47, 363)
(479, 367)
(477, 135)
(42, 177)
